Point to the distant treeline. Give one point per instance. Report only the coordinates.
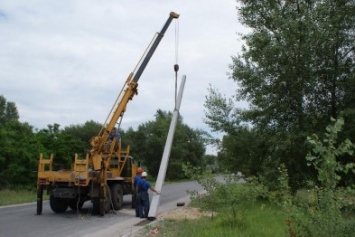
(21, 145)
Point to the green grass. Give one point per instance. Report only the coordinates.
(10, 197)
(260, 219)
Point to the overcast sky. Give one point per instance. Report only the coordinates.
(65, 61)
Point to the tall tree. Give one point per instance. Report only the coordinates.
(295, 71)
(19, 155)
(8, 111)
(19, 148)
(62, 145)
(83, 133)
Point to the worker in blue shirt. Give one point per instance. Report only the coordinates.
(138, 177)
(142, 189)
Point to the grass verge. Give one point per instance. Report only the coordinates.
(11, 197)
(262, 220)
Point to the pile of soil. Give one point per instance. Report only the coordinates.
(190, 213)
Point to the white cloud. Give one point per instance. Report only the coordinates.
(65, 61)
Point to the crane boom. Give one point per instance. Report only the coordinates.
(127, 93)
(151, 51)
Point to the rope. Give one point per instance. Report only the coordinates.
(177, 41)
(176, 69)
(145, 52)
(176, 66)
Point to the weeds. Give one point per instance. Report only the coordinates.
(320, 211)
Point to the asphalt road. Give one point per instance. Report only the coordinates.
(21, 220)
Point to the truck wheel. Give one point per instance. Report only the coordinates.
(96, 206)
(58, 205)
(75, 205)
(117, 196)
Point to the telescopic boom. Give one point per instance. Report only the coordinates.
(129, 90)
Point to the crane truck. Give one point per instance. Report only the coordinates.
(107, 171)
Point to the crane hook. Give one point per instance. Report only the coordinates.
(176, 69)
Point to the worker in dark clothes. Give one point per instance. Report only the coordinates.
(114, 134)
(136, 180)
(142, 189)
(111, 136)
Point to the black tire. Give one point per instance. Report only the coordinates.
(117, 196)
(58, 205)
(96, 206)
(76, 204)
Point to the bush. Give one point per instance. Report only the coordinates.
(320, 211)
(231, 197)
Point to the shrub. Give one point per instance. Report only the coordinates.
(320, 213)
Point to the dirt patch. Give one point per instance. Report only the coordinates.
(181, 213)
(190, 213)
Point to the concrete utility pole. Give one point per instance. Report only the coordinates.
(166, 154)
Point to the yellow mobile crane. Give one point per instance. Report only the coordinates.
(107, 172)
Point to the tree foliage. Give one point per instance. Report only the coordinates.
(83, 133)
(147, 145)
(18, 154)
(8, 111)
(61, 144)
(296, 70)
(19, 148)
(323, 209)
(21, 145)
